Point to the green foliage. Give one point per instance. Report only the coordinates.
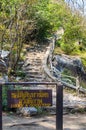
(67, 48)
(47, 18)
(58, 43)
(66, 72)
(13, 22)
(4, 97)
(43, 27)
(18, 18)
(83, 62)
(20, 73)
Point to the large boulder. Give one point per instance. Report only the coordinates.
(27, 111)
(4, 54)
(3, 66)
(69, 62)
(3, 61)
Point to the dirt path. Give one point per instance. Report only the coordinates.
(70, 122)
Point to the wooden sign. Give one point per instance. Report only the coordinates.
(29, 98)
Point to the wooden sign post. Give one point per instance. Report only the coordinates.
(0, 107)
(59, 107)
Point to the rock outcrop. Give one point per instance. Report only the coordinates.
(69, 62)
(3, 66)
(3, 61)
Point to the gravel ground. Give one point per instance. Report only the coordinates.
(70, 122)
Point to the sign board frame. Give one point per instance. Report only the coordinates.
(59, 100)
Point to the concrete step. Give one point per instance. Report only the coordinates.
(34, 76)
(34, 79)
(33, 63)
(33, 73)
(32, 68)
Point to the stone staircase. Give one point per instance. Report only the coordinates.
(33, 63)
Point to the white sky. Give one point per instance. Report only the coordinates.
(78, 4)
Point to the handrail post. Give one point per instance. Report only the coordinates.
(0, 107)
(59, 107)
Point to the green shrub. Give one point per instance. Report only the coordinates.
(67, 48)
(70, 48)
(4, 97)
(58, 43)
(20, 73)
(84, 62)
(66, 72)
